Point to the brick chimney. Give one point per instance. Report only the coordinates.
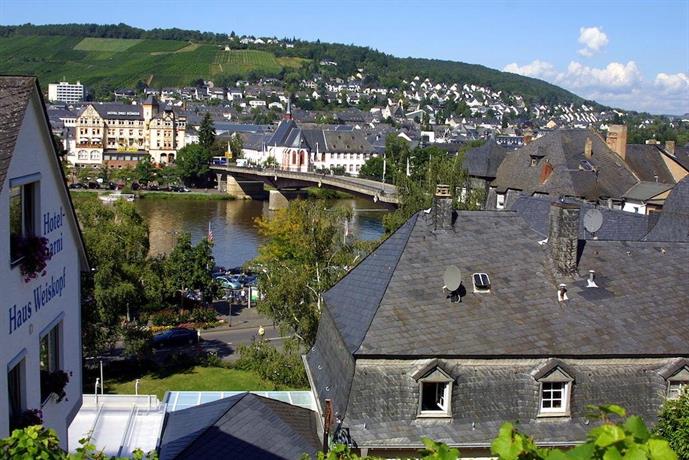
(442, 208)
(563, 236)
(617, 140)
(670, 147)
(588, 148)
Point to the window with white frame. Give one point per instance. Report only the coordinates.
(553, 396)
(16, 391)
(435, 394)
(22, 213)
(555, 392)
(500, 203)
(675, 389)
(50, 348)
(678, 383)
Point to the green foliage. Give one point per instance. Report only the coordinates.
(187, 267)
(607, 441)
(428, 167)
(236, 146)
(116, 238)
(673, 424)
(192, 163)
(284, 367)
(207, 132)
(39, 443)
(303, 257)
(137, 342)
(372, 169)
(144, 171)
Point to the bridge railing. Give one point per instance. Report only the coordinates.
(375, 188)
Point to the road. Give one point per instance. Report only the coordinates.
(224, 341)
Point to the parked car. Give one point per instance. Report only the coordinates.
(228, 283)
(77, 185)
(175, 337)
(94, 185)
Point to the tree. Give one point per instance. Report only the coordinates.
(206, 132)
(305, 254)
(188, 267)
(236, 146)
(192, 163)
(116, 239)
(144, 170)
(372, 169)
(673, 424)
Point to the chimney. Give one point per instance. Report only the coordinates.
(670, 147)
(442, 208)
(617, 140)
(563, 236)
(588, 148)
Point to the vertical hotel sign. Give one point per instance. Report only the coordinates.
(48, 289)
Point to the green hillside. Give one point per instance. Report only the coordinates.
(106, 56)
(120, 62)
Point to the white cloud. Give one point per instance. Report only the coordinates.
(672, 83)
(593, 39)
(614, 76)
(537, 69)
(617, 84)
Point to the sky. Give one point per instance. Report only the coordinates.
(628, 54)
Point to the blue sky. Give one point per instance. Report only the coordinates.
(633, 55)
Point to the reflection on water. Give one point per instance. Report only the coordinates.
(233, 224)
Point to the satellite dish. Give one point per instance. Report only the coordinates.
(593, 219)
(452, 278)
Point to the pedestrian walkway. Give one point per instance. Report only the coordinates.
(242, 317)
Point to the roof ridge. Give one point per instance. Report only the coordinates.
(204, 430)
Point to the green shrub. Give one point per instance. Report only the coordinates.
(137, 342)
(203, 315)
(284, 367)
(673, 424)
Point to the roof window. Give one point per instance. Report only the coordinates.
(481, 282)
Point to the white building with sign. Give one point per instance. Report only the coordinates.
(40, 319)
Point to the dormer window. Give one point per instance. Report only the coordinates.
(555, 391)
(677, 383)
(435, 392)
(481, 282)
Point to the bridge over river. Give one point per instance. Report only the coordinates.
(242, 180)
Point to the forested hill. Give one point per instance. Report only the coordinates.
(175, 57)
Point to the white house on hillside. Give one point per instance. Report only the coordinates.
(40, 313)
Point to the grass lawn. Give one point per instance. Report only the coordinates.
(195, 379)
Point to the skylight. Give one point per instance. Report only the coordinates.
(481, 282)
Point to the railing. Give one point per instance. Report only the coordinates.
(119, 401)
(377, 189)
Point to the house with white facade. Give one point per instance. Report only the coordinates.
(42, 256)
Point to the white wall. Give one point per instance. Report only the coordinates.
(33, 154)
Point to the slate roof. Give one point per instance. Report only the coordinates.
(647, 163)
(15, 94)
(644, 191)
(347, 142)
(564, 150)
(617, 224)
(484, 161)
(389, 317)
(241, 426)
(673, 222)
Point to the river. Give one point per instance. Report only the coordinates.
(233, 224)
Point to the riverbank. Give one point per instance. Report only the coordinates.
(209, 195)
